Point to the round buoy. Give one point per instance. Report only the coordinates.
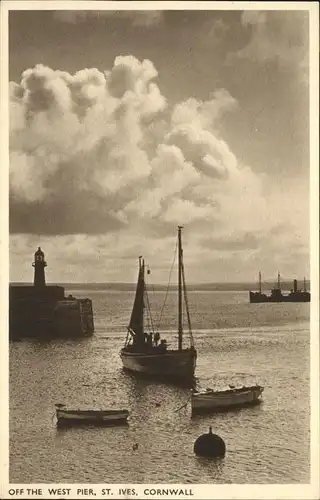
(209, 445)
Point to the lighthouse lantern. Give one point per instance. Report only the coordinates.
(39, 264)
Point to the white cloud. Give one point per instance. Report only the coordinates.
(203, 114)
(99, 160)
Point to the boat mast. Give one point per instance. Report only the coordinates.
(180, 332)
(260, 282)
(186, 304)
(141, 266)
(278, 280)
(304, 284)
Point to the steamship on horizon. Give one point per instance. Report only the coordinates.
(276, 294)
(144, 352)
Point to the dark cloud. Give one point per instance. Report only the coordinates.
(235, 242)
(81, 214)
(137, 18)
(280, 36)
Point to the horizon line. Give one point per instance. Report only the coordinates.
(203, 283)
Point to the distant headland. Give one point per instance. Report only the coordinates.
(210, 287)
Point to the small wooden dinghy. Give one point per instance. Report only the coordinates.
(210, 400)
(69, 416)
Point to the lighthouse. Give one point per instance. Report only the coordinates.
(39, 264)
(42, 311)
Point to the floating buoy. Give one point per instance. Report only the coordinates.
(209, 445)
(135, 446)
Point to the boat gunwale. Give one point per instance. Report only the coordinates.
(222, 396)
(228, 392)
(69, 411)
(168, 352)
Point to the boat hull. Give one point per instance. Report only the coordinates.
(178, 365)
(96, 417)
(221, 400)
(257, 298)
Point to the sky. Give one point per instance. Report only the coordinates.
(125, 124)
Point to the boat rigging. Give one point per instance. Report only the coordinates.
(144, 352)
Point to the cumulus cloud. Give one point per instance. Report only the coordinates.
(94, 155)
(83, 140)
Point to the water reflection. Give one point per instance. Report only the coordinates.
(214, 466)
(89, 372)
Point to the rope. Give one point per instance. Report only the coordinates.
(168, 286)
(184, 405)
(149, 318)
(127, 338)
(187, 306)
(149, 285)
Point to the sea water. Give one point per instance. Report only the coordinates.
(238, 343)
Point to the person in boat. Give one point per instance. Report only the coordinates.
(149, 338)
(163, 345)
(156, 338)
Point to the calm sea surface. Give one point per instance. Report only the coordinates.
(237, 343)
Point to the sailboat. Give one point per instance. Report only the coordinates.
(145, 352)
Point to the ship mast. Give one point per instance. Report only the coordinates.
(260, 282)
(180, 331)
(304, 284)
(141, 267)
(278, 280)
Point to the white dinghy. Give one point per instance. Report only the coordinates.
(210, 400)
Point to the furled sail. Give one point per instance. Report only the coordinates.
(136, 321)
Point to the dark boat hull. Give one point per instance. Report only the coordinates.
(225, 408)
(256, 297)
(171, 364)
(85, 417)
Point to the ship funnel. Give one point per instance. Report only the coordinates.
(295, 286)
